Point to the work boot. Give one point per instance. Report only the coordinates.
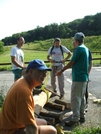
(82, 120)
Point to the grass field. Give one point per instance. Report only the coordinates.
(38, 50)
(30, 55)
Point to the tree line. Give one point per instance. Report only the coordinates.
(89, 25)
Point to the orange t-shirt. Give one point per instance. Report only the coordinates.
(18, 108)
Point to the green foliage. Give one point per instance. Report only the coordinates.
(84, 130)
(1, 100)
(92, 130)
(3, 92)
(89, 25)
(1, 47)
(92, 42)
(4, 67)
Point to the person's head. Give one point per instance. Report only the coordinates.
(20, 41)
(78, 39)
(36, 72)
(57, 42)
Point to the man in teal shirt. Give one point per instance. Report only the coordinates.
(80, 65)
(80, 68)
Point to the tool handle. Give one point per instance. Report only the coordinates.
(52, 92)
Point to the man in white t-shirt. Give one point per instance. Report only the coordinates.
(17, 58)
(55, 56)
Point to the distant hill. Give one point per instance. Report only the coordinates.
(89, 25)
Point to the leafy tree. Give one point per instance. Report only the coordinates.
(89, 25)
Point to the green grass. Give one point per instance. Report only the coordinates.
(85, 131)
(92, 130)
(32, 54)
(39, 49)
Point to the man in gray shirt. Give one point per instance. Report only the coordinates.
(55, 56)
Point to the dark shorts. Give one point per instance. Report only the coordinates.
(23, 131)
(17, 73)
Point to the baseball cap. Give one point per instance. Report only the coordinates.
(37, 64)
(57, 39)
(79, 36)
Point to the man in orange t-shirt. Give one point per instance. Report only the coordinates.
(17, 115)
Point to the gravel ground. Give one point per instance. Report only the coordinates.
(93, 114)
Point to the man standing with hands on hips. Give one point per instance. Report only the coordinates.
(55, 56)
(80, 67)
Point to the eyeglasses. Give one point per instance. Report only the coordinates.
(42, 72)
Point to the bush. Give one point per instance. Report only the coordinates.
(1, 47)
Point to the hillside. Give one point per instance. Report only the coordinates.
(89, 25)
(92, 42)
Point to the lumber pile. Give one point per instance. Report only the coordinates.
(56, 107)
(67, 105)
(40, 100)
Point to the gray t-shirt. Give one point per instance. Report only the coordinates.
(57, 54)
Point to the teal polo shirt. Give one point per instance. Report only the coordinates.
(81, 63)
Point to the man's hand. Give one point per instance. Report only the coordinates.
(24, 67)
(51, 60)
(63, 60)
(58, 73)
(23, 71)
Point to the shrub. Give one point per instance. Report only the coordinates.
(1, 47)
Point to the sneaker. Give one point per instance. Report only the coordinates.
(82, 120)
(72, 123)
(61, 97)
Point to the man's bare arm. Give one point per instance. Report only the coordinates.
(14, 61)
(69, 65)
(67, 57)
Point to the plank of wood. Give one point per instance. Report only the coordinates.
(55, 106)
(57, 116)
(52, 92)
(40, 100)
(62, 102)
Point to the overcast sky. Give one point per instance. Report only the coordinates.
(23, 15)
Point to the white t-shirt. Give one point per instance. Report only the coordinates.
(57, 54)
(18, 53)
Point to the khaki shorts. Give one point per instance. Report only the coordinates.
(21, 131)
